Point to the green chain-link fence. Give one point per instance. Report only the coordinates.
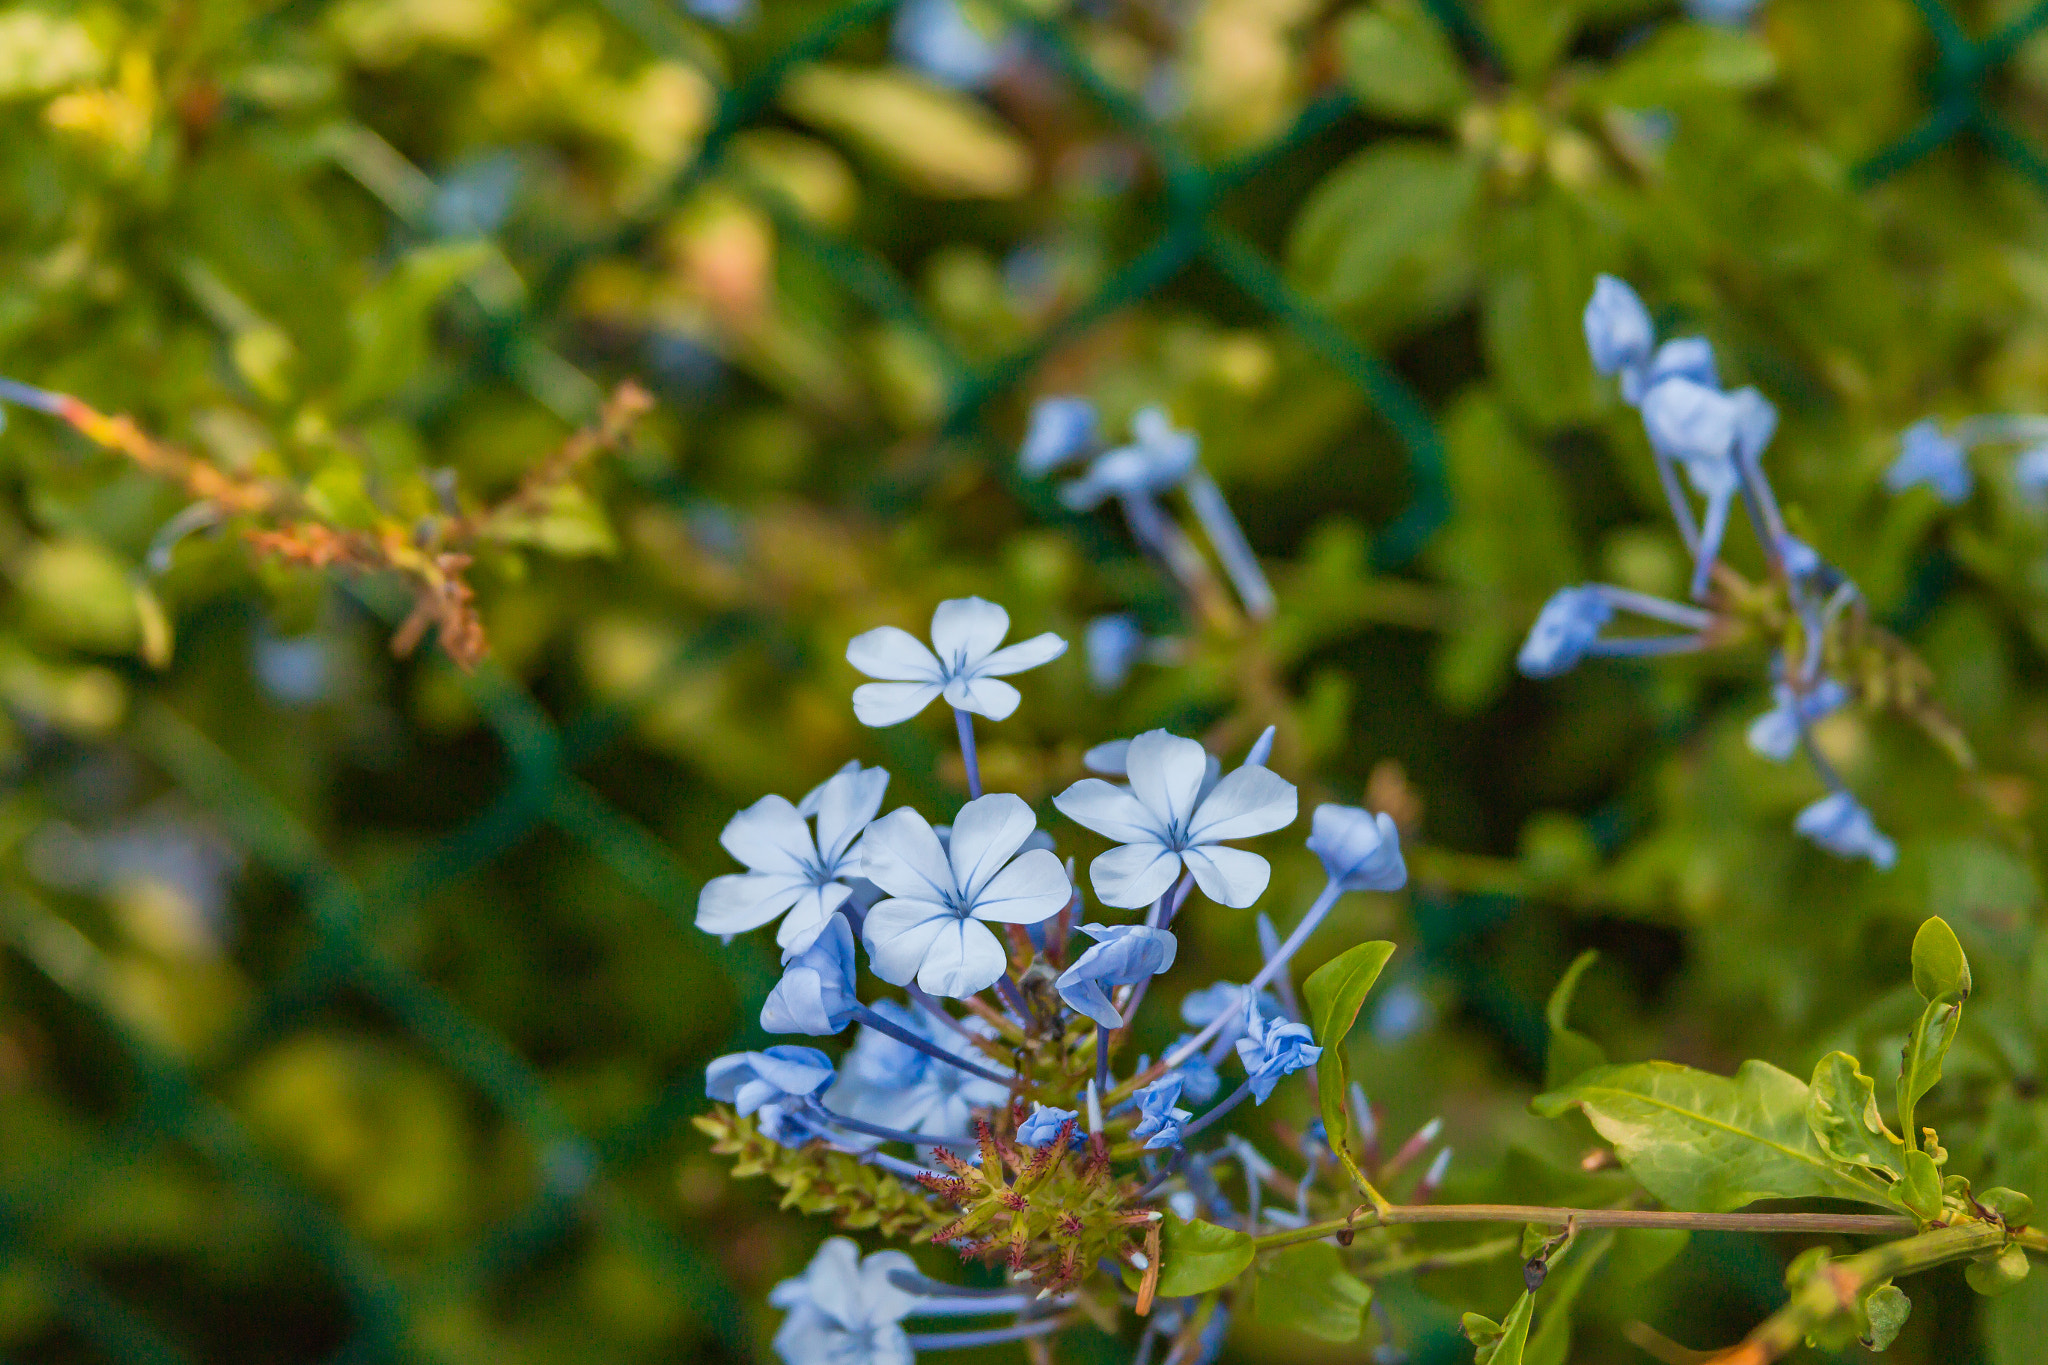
(170, 1103)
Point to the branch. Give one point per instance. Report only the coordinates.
(1841, 1285)
(1870, 1224)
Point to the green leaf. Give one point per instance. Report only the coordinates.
(1933, 1034)
(1681, 62)
(390, 324)
(1711, 1143)
(1941, 971)
(1551, 1341)
(1532, 34)
(1842, 1110)
(1196, 1257)
(1546, 254)
(1501, 1343)
(1307, 1289)
(2000, 1274)
(1571, 1054)
(1335, 992)
(1385, 236)
(937, 141)
(1886, 1309)
(2011, 1205)
(1921, 1189)
(1399, 63)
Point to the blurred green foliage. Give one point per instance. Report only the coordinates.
(349, 1007)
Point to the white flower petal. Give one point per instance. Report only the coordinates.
(897, 934)
(891, 703)
(769, 836)
(743, 901)
(1033, 888)
(845, 805)
(809, 805)
(963, 958)
(989, 697)
(901, 854)
(1039, 649)
(1110, 810)
(967, 630)
(1135, 875)
(1229, 876)
(807, 919)
(894, 656)
(1166, 774)
(1111, 757)
(987, 832)
(1247, 802)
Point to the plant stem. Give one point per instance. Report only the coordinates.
(1317, 912)
(1844, 1283)
(882, 1024)
(991, 1336)
(1229, 1103)
(1867, 1223)
(964, 723)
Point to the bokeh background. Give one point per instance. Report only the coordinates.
(350, 1008)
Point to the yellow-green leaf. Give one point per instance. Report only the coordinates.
(1307, 1289)
(1196, 1257)
(1335, 992)
(937, 141)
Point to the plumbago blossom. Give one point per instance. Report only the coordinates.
(1717, 439)
(993, 1106)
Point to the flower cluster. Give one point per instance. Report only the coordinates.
(1715, 440)
(1158, 459)
(1010, 1125)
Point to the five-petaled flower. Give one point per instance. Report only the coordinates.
(844, 1310)
(1044, 1124)
(1360, 849)
(964, 664)
(887, 1081)
(816, 992)
(776, 1085)
(790, 868)
(1271, 1049)
(1124, 955)
(1175, 814)
(934, 926)
(1841, 826)
(1160, 1123)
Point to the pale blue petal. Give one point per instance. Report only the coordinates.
(989, 697)
(986, 834)
(902, 855)
(1166, 774)
(741, 901)
(1249, 801)
(892, 703)
(962, 958)
(967, 630)
(1109, 810)
(1029, 890)
(1039, 649)
(769, 836)
(1228, 876)
(1134, 875)
(893, 655)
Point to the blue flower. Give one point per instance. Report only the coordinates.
(816, 992)
(934, 926)
(1124, 955)
(1044, 1125)
(1402, 1013)
(1704, 429)
(2030, 473)
(937, 38)
(1724, 13)
(1113, 644)
(790, 869)
(1360, 850)
(775, 1085)
(1199, 1081)
(1272, 1050)
(844, 1310)
(1926, 456)
(1565, 629)
(889, 1082)
(1160, 1122)
(1679, 358)
(1061, 430)
(967, 668)
(720, 11)
(1199, 1008)
(1158, 458)
(1775, 733)
(1842, 827)
(1619, 332)
(1170, 817)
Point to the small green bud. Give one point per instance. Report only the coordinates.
(1886, 1310)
